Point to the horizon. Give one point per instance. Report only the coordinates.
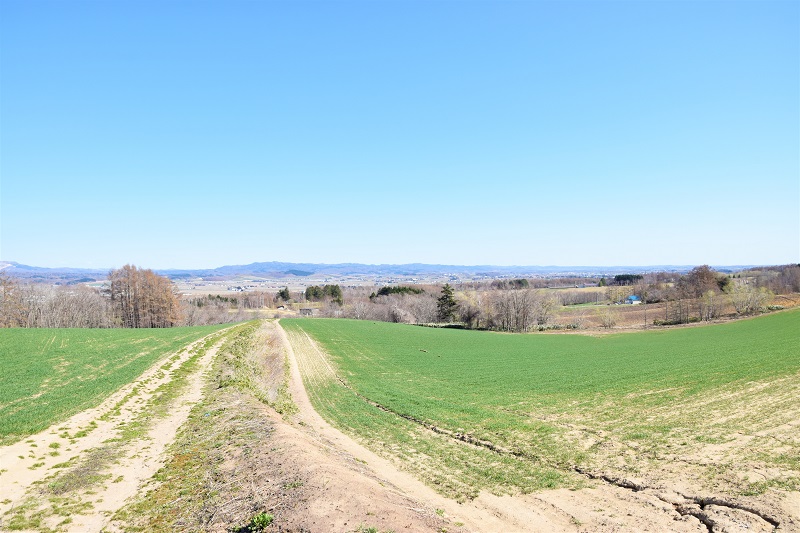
(481, 133)
(486, 265)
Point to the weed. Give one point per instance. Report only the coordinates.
(260, 521)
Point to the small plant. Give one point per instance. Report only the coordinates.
(259, 522)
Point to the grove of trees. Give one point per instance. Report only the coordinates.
(134, 299)
(333, 293)
(142, 299)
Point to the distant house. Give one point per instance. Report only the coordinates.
(306, 311)
(633, 300)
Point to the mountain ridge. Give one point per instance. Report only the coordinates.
(286, 269)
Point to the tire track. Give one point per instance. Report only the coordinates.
(85, 433)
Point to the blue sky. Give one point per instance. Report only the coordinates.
(189, 134)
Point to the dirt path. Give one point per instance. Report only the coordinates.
(94, 455)
(483, 514)
(237, 457)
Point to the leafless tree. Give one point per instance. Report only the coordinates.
(143, 299)
(608, 317)
(748, 299)
(12, 312)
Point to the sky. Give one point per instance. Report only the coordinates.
(196, 134)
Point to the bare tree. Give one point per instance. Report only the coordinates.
(143, 299)
(748, 299)
(608, 317)
(12, 309)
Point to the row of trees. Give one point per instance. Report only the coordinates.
(332, 293)
(45, 306)
(510, 305)
(134, 299)
(140, 298)
(705, 294)
(519, 309)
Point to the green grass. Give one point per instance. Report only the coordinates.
(47, 375)
(540, 396)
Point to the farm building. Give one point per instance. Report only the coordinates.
(633, 300)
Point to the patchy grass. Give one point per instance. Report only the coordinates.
(50, 374)
(196, 487)
(62, 493)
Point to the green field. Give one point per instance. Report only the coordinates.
(47, 375)
(538, 406)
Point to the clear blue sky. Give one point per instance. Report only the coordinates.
(187, 134)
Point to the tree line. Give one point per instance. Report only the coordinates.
(133, 298)
(136, 297)
(511, 305)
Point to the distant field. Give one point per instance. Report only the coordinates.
(538, 406)
(47, 375)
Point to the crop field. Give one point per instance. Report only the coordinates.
(50, 374)
(469, 411)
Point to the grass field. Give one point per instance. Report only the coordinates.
(47, 375)
(538, 406)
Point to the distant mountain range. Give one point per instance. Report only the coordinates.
(278, 270)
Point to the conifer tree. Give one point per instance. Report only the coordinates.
(446, 305)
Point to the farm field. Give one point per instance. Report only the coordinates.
(704, 412)
(207, 438)
(50, 374)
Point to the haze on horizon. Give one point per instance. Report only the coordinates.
(196, 135)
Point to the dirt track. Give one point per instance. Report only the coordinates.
(87, 444)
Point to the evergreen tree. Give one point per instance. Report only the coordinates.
(446, 305)
(284, 295)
